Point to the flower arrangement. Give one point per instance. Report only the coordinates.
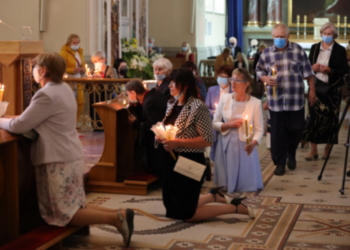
(140, 65)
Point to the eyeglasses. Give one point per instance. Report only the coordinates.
(235, 80)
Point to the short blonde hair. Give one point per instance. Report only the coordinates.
(165, 63)
(55, 66)
(71, 37)
(99, 54)
(329, 25)
(246, 77)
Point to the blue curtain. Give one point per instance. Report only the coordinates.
(235, 21)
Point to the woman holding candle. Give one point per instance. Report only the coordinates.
(239, 121)
(214, 95)
(329, 62)
(181, 194)
(57, 153)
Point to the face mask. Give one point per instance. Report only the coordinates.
(36, 74)
(160, 77)
(222, 81)
(98, 65)
(178, 96)
(232, 44)
(280, 42)
(150, 45)
(327, 39)
(123, 71)
(254, 46)
(184, 49)
(74, 47)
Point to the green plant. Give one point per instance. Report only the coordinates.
(140, 66)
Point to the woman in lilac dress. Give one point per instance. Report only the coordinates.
(237, 164)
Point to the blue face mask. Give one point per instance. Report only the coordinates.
(184, 48)
(150, 45)
(159, 77)
(327, 39)
(280, 42)
(178, 96)
(222, 81)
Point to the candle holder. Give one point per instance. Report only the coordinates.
(298, 26)
(305, 24)
(345, 24)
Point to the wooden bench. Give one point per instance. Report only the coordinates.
(43, 237)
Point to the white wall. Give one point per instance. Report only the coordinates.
(19, 13)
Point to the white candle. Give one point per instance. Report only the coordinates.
(2, 89)
(246, 128)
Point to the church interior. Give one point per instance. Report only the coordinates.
(308, 208)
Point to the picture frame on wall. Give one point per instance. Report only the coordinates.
(330, 9)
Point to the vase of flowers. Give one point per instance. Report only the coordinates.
(139, 64)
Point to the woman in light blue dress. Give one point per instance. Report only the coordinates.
(238, 114)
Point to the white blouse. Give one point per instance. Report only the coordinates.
(229, 109)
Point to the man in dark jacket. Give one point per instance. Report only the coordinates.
(147, 107)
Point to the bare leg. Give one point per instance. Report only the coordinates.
(209, 198)
(313, 149)
(207, 212)
(89, 216)
(95, 207)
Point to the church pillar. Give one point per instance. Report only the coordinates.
(254, 13)
(274, 12)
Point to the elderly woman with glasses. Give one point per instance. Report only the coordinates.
(239, 121)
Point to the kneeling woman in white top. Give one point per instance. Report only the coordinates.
(237, 164)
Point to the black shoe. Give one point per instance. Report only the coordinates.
(215, 191)
(291, 164)
(127, 227)
(280, 170)
(238, 201)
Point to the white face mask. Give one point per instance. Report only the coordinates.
(36, 74)
(178, 96)
(98, 66)
(74, 47)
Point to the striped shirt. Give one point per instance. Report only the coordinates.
(293, 67)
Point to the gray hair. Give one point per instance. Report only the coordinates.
(280, 26)
(99, 54)
(135, 85)
(329, 25)
(165, 63)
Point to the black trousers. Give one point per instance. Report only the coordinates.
(286, 133)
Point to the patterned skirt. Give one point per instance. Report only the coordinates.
(60, 189)
(322, 122)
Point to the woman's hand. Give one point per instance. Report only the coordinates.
(316, 67)
(236, 123)
(325, 69)
(131, 118)
(170, 144)
(250, 147)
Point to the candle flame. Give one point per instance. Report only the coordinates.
(246, 118)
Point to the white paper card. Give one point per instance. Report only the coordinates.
(189, 168)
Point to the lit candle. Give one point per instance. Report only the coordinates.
(216, 105)
(273, 71)
(145, 85)
(86, 67)
(2, 88)
(124, 103)
(246, 129)
(251, 129)
(265, 86)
